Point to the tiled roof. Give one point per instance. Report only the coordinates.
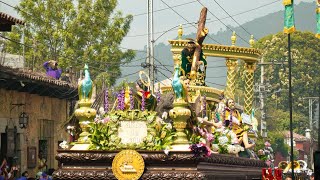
(295, 136)
(7, 17)
(41, 77)
(36, 83)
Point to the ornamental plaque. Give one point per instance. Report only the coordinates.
(128, 165)
(132, 131)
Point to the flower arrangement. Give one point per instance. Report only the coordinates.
(143, 102)
(120, 97)
(106, 101)
(104, 131)
(200, 150)
(226, 142)
(160, 136)
(158, 95)
(131, 99)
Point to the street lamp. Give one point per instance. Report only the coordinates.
(23, 120)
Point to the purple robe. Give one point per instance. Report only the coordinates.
(55, 73)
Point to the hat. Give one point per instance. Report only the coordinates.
(190, 40)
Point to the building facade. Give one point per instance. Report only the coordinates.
(45, 104)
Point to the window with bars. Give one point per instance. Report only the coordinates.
(46, 143)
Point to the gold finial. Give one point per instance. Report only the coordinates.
(180, 31)
(233, 38)
(251, 41)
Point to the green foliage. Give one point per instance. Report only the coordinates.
(305, 72)
(160, 136)
(278, 144)
(74, 33)
(104, 133)
(280, 121)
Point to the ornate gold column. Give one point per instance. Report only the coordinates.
(176, 59)
(249, 75)
(231, 76)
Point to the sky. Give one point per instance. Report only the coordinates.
(188, 9)
(167, 19)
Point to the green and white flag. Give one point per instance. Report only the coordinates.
(288, 17)
(318, 19)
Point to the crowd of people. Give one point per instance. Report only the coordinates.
(12, 172)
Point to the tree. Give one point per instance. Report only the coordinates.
(278, 121)
(305, 72)
(74, 32)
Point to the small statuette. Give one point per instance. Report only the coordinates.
(251, 41)
(180, 32)
(233, 38)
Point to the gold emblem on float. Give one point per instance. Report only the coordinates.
(128, 165)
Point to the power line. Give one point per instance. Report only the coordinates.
(208, 22)
(213, 67)
(15, 41)
(132, 49)
(167, 8)
(215, 84)
(187, 20)
(222, 22)
(215, 77)
(163, 74)
(99, 69)
(161, 64)
(232, 17)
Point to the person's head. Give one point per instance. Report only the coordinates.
(141, 86)
(44, 175)
(312, 176)
(230, 104)
(53, 64)
(25, 174)
(191, 45)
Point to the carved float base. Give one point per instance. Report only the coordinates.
(96, 165)
(180, 147)
(80, 147)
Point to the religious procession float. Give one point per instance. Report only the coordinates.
(186, 130)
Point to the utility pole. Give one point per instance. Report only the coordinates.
(312, 133)
(150, 48)
(262, 92)
(263, 88)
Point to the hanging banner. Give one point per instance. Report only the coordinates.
(288, 17)
(318, 19)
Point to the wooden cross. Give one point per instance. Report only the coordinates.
(201, 35)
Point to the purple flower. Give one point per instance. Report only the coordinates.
(122, 100)
(120, 97)
(106, 101)
(210, 137)
(204, 107)
(143, 102)
(158, 95)
(200, 150)
(105, 120)
(131, 99)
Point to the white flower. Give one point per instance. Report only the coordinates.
(64, 145)
(215, 147)
(166, 151)
(169, 126)
(223, 140)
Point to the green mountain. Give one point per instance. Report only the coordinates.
(305, 20)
